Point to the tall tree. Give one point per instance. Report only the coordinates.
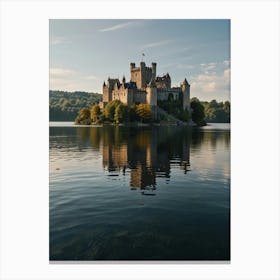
(144, 112)
(110, 108)
(121, 113)
(198, 115)
(83, 117)
(132, 113)
(95, 112)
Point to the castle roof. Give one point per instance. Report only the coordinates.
(163, 78)
(185, 82)
(130, 85)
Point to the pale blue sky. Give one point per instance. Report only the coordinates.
(83, 53)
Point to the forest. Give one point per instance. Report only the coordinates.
(216, 112)
(65, 106)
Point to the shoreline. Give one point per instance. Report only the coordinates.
(72, 124)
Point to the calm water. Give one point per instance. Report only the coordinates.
(119, 193)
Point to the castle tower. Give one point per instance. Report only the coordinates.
(106, 93)
(152, 93)
(142, 75)
(135, 75)
(154, 70)
(151, 97)
(168, 80)
(185, 86)
(132, 66)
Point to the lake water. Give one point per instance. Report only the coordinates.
(149, 193)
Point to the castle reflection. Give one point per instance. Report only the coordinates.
(145, 153)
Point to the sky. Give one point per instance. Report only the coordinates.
(84, 53)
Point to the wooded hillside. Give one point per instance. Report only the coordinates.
(65, 106)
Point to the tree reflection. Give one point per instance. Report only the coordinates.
(148, 153)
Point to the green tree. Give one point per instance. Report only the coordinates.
(110, 108)
(65, 106)
(95, 112)
(144, 112)
(217, 112)
(227, 107)
(198, 115)
(213, 104)
(121, 113)
(184, 115)
(83, 117)
(132, 113)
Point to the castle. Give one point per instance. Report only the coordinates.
(145, 87)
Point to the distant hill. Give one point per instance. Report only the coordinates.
(65, 106)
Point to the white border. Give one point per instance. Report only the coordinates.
(255, 138)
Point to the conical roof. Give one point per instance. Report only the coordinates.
(185, 82)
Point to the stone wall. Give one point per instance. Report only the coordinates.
(120, 94)
(163, 94)
(140, 96)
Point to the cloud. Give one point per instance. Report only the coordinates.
(156, 44)
(208, 66)
(61, 72)
(72, 80)
(185, 66)
(92, 77)
(205, 83)
(118, 26)
(56, 40)
(60, 78)
(207, 86)
(227, 74)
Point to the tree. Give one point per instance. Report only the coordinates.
(95, 112)
(65, 106)
(144, 112)
(227, 107)
(110, 108)
(132, 113)
(121, 113)
(198, 115)
(83, 117)
(210, 114)
(213, 104)
(217, 112)
(184, 115)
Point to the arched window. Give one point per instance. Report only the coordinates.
(170, 96)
